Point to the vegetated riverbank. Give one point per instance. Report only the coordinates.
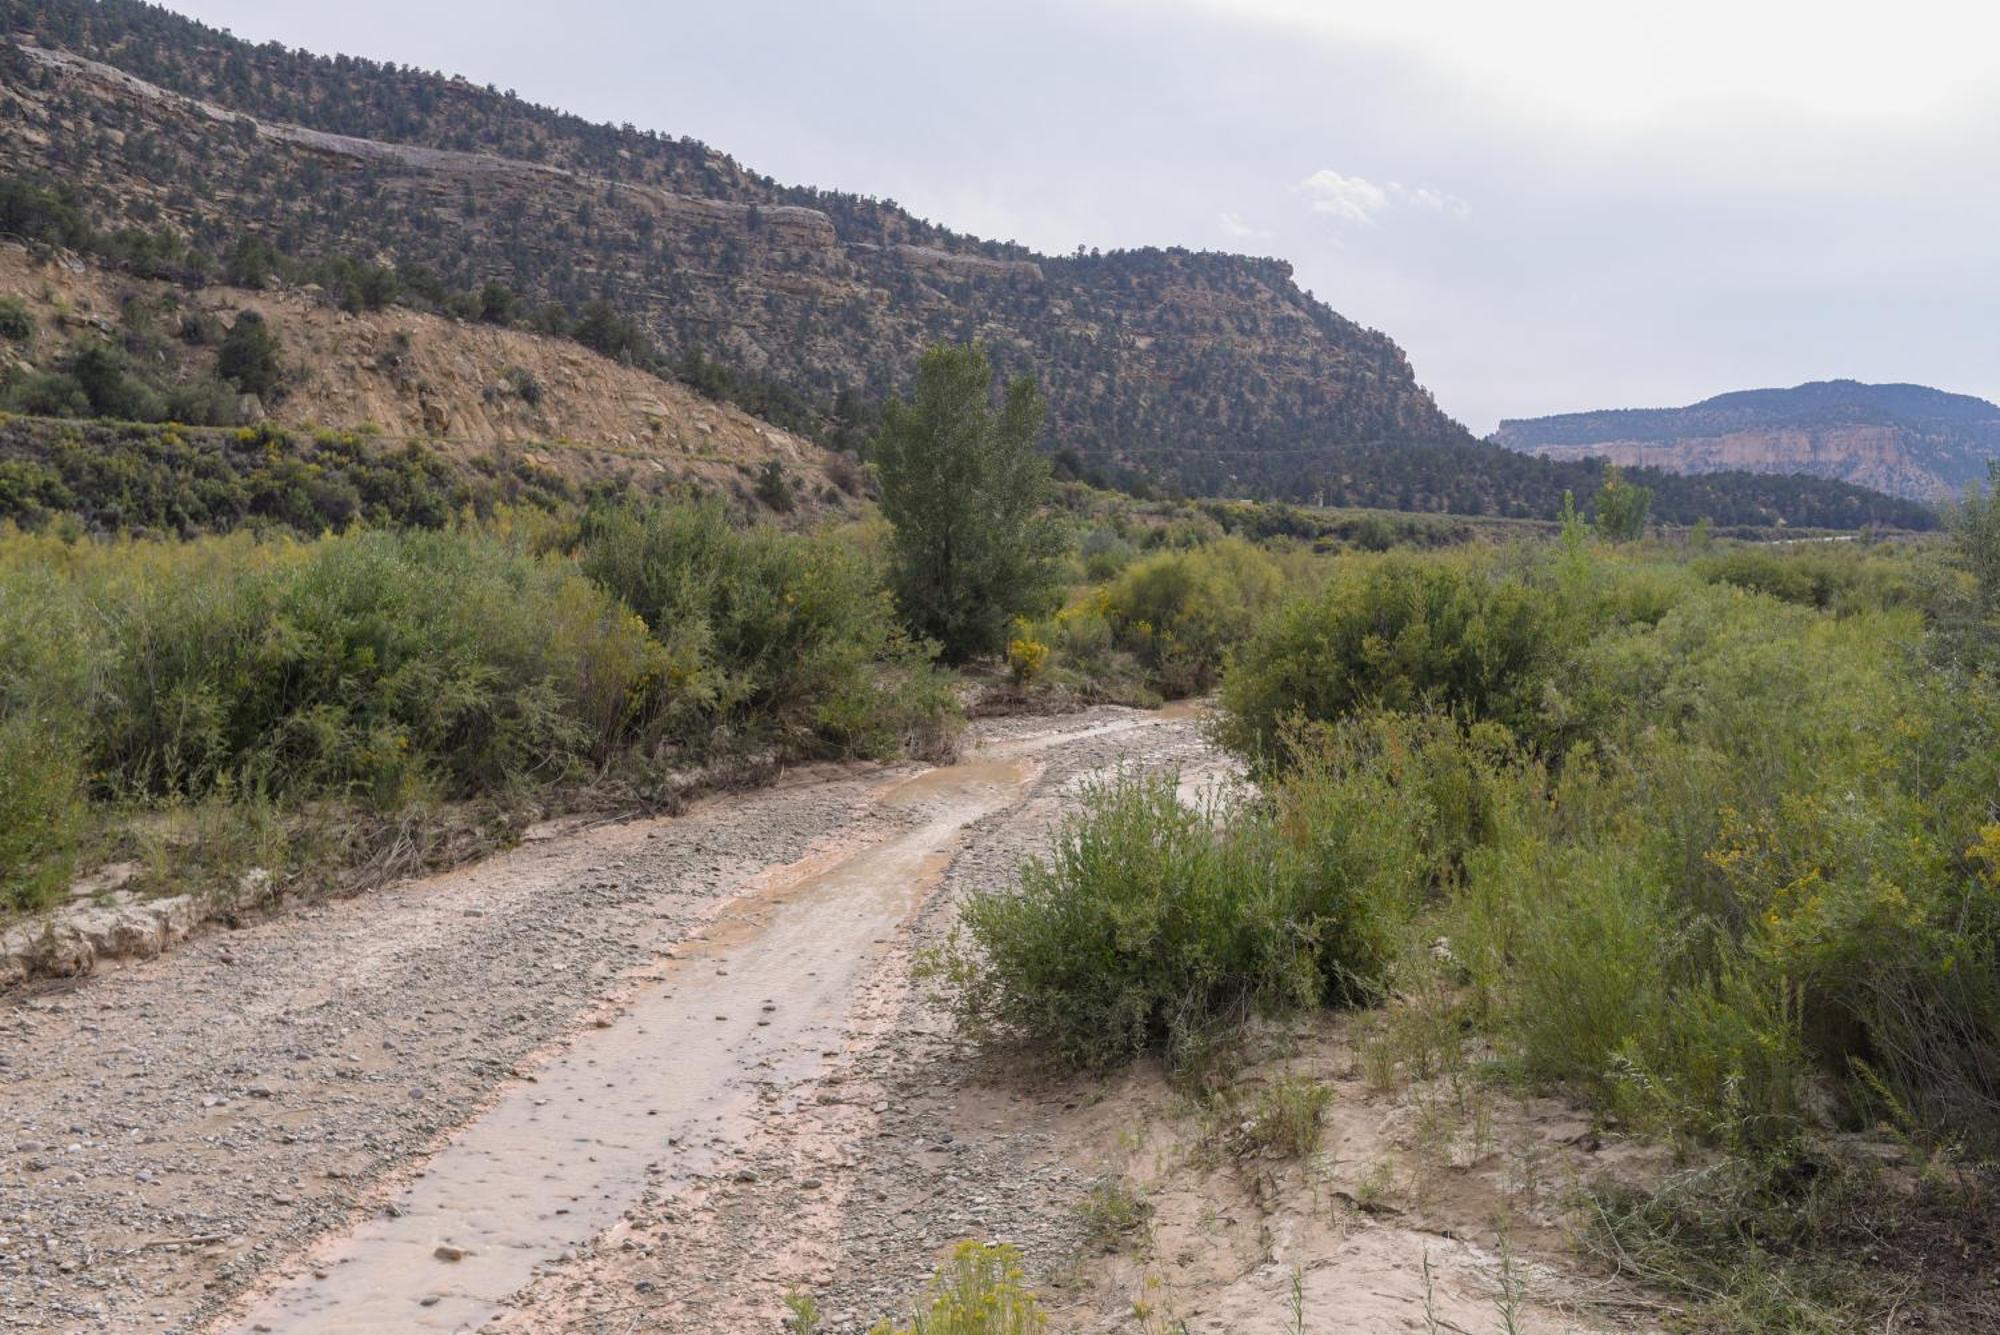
(379, 701)
(1417, 1151)
(1703, 840)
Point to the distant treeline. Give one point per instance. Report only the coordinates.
(1474, 478)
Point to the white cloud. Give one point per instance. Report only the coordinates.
(1236, 229)
(1349, 198)
(1356, 199)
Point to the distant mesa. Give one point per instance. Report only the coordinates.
(1907, 440)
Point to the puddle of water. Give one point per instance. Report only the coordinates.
(660, 1096)
(1174, 712)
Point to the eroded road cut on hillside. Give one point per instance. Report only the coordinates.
(762, 997)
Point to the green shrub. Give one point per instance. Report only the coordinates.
(979, 1291)
(1284, 1117)
(48, 394)
(1148, 929)
(525, 386)
(393, 669)
(47, 681)
(1761, 885)
(1181, 612)
(390, 666)
(1112, 1212)
(1104, 553)
(17, 322)
(790, 636)
(1395, 802)
(119, 477)
(1720, 862)
(774, 487)
(1395, 632)
(1810, 579)
(40, 808)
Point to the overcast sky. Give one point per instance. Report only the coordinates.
(1551, 204)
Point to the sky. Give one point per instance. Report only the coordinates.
(1552, 205)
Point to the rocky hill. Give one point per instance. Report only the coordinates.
(1180, 363)
(461, 388)
(1907, 440)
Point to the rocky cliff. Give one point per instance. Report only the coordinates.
(1907, 440)
(1179, 362)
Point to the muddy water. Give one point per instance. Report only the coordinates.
(657, 1097)
(1173, 712)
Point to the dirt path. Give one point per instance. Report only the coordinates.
(645, 1077)
(174, 1133)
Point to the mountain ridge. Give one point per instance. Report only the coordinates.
(1200, 372)
(1905, 439)
(822, 291)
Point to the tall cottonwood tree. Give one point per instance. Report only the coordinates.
(964, 486)
(1622, 508)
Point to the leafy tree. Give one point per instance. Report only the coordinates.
(550, 318)
(1975, 538)
(422, 281)
(497, 304)
(33, 212)
(251, 263)
(369, 287)
(1622, 508)
(774, 488)
(17, 322)
(602, 329)
(104, 373)
(249, 355)
(963, 485)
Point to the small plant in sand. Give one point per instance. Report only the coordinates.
(801, 1314)
(1285, 1117)
(1112, 1212)
(979, 1291)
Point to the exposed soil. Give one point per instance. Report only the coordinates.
(654, 1076)
(446, 383)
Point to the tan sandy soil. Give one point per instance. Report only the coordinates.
(449, 387)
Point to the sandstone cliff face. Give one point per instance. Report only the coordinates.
(1907, 440)
(461, 388)
(1881, 457)
(1179, 361)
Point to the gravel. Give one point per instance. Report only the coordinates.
(174, 1131)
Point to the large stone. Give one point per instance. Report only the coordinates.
(176, 917)
(47, 947)
(118, 933)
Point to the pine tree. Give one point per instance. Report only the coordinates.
(249, 355)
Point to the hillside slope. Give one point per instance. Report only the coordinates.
(461, 388)
(1907, 440)
(1184, 363)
